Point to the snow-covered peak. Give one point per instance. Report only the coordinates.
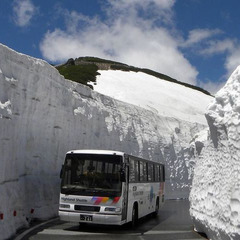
(160, 96)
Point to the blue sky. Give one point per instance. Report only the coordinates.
(195, 41)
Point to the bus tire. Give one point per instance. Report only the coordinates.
(134, 215)
(155, 213)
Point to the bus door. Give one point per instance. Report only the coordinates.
(125, 195)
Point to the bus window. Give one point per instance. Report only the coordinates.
(157, 178)
(162, 173)
(99, 167)
(143, 172)
(150, 172)
(132, 171)
(154, 179)
(137, 175)
(110, 168)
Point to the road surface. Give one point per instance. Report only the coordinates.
(173, 223)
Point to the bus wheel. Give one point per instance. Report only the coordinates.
(155, 213)
(134, 216)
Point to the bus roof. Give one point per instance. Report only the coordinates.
(106, 152)
(93, 151)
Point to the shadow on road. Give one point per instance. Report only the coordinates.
(145, 224)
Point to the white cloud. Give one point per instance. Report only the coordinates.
(198, 35)
(231, 50)
(233, 60)
(124, 36)
(161, 4)
(206, 42)
(23, 10)
(155, 9)
(219, 46)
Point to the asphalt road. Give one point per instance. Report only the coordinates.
(173, 223)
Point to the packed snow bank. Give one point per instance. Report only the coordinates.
(160, 96)
(42, 116)
(215, 194)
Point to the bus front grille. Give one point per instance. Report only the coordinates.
(87, 208)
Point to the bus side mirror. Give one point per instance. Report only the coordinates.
(122, 176)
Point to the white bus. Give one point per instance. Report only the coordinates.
(109, 187)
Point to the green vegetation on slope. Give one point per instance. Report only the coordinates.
(79, 73)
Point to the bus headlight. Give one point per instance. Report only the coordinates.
(64, 206)
(112, 209)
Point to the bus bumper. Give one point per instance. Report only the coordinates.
(96, 218)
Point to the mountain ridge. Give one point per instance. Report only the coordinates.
(85, 69)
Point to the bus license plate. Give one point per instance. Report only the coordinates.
(86, 218)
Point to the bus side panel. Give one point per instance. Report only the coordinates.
(135, 195)
(145, 195)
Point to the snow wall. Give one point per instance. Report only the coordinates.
(215, 193)
(42, 116)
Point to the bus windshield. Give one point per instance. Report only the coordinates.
(92, 175)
